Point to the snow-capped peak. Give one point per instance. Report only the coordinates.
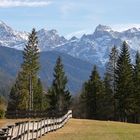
(132, 30)
(4, 28)
(93, 47)
(103, 28)
(53, 31)
(2, 23)
(74, 38)
(49, 39)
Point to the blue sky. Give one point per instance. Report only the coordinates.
(70, 17)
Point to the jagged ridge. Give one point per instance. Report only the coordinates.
(93, 48)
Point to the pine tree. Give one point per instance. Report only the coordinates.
(90, 95)
(107, 100)
(23, 92)
(110, 74)
(136, 105)
(13, 100)
(124, 84)
(111, 67)
(86, 104)
(30, 66)
(18, 98)
(38, 96)
(59, 97)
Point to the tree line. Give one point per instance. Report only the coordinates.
(27, 94)
(117, 95)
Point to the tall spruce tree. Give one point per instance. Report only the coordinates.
(86, 104)
(90, 95)
(136, 105)
(107, 100)
(23, 92)
(110, 74)
(38, 96)
(30, 66)
(111, 67)
(13, 99)
(124, 84)
(59, 97)
(19, 98)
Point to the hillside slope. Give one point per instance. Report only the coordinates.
(95, 130)
(77, 70)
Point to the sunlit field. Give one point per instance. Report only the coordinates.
(77, 129)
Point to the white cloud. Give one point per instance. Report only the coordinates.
(123, 27)
(24, 3)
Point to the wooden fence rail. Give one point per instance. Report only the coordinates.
(32, 130)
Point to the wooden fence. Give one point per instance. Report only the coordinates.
(32, 130)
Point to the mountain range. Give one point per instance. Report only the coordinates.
(93, 48)
(78, 54)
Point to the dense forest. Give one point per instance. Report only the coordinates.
(116, 96)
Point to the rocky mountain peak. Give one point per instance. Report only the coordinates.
(103, 28)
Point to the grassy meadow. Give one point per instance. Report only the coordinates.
(77, 129)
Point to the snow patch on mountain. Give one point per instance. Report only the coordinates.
(93, 48)
(49, 39)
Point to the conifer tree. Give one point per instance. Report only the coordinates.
(13, 100)
(107, 100)
(111, 67)
(38, 96)
(85, 102)
(91, 94)
(136, 105)
(59, 97)
(110, 74)
(18, 98)
(30, 65)
(23, 92)
(124, 84)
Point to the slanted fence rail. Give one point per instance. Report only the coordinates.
(32, 130)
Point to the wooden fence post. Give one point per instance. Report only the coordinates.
(32, 122)
(21, 133)
(40, 124)
(11, 127)
(24, 130)
(28, 127)
(37, 129)
(18, 131)
(44, 125)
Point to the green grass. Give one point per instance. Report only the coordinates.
(77, 129)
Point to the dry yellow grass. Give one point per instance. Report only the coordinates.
(6, 122)
(77, 129)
